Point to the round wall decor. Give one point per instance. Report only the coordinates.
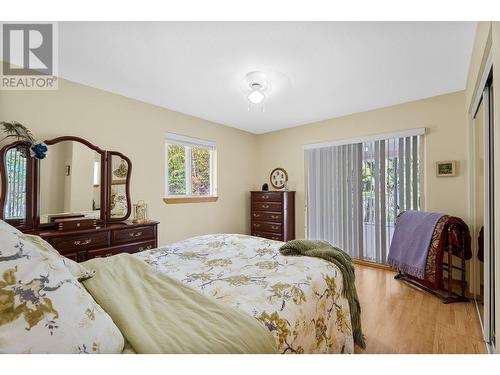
(278, 178)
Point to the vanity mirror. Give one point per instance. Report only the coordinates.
(71, 182)
(76, 180)
(16, 169)
(119, 177)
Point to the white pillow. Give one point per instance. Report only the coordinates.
(43, 308)
(76, 269)
(5, 227)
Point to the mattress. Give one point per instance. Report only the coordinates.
(299, 299)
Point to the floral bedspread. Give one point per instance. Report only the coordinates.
(299, 299)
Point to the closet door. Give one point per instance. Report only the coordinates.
(483, 219)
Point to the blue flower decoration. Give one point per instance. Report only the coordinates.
(39, 150)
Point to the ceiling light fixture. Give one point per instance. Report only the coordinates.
(259, 87)
(256, 96)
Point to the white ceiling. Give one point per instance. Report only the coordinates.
(317, 70)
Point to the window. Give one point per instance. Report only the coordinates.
(356, 189)
(190, 169)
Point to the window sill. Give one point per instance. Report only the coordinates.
(175, 200)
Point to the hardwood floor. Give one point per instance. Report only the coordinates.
(399, 318)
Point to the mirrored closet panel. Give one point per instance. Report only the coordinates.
(483, 283)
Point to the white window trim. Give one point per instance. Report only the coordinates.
(189, 143)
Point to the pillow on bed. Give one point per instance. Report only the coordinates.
(43, 307)
(76, 269)
(5, 227)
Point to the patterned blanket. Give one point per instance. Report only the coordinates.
(452, 231)
(299, 299)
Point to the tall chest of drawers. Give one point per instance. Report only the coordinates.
(273, 215)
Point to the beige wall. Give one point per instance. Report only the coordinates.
(244, 160)
(137, 130)
(443, 116)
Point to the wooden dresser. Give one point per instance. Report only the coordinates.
(273, 215)
(103, 241)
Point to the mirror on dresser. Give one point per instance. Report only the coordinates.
(118, 191)
(16, 169)
(75, 180)
(71, 182)
(76, 183)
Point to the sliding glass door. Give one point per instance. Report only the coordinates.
(356, 190)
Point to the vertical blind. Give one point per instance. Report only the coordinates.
(356, 190)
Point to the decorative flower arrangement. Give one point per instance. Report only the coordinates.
(22, 133)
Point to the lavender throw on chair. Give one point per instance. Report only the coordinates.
(411, 240)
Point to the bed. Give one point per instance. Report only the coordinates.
(224, 293)
(297, 298)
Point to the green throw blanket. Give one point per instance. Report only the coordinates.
(158, 314)
(324, 250)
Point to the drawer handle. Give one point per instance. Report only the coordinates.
(82, 243)
(274, 217)
(274, 227)
(135, 234)
(256, 225)
(256, 215)
(145, 248)
(108, 254)
(274, 238)
(265, 206)
(265, 197)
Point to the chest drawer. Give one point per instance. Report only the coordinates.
(78, 242)
(133, 234)
(266, 206)
(267, 227)
(270, 236)
(270, 196)
(267, 216)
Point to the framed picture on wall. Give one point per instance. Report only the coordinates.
(445, 168)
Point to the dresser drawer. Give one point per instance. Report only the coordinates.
(267, 216)
(266, 206)
(133, 248)
(77, 242)
(133, 234)
(267, 196)
(267, 227)
(270, 236)
(101, 253)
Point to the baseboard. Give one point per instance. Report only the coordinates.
(367, 263)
